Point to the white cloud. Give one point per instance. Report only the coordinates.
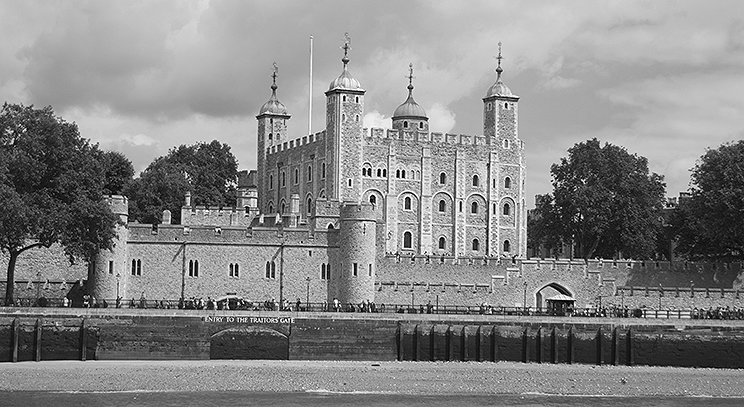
(376, 119)
(441, 119)
(138, 139)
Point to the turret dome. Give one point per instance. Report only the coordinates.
(410, 109)
(273, 106)
(498, 88)
(345, 81)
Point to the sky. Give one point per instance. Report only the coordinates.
(663, 79)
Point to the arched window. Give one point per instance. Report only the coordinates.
(442, 178)
(328, 271)
(506, 105)
(397, 173)
(476, 245)
(474, 207)
(442, 205)
(284, 208)
(384, 173)
(372, 199)
(193, 268)
(495, 209)
(323, 271)
(268, 270)
(405, 124)
(507, 246)
(322, 170)
(507, 209)
(421, 125)
(271, 208)
(356, 118)
(407, 240)
(330, 226)
(343, 98)
(356, 99)
(505, 143)
(309, 173)
(379, 172)
(460, 206)
(270, 137)
(309, 205)
(442, 243)
(403, 174)
(284, 179)
(273, 269)
(297, 176)
(407, 203)
(476, 181)
(507, 182)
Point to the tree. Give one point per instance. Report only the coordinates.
(118, 171)
(208, 170)
(51, 188)
(710, 222)
(604, 203)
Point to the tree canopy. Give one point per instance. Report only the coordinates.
(208, 170)
(604, 203)
(710, 222)
(52, 183)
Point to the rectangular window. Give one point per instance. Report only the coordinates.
(111, 267)
(356, 268)
(370, 270)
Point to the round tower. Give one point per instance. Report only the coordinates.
(111, 272)
(357, 253)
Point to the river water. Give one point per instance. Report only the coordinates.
(319, 398)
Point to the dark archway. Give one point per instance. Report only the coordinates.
(550, 290)
(249, 343)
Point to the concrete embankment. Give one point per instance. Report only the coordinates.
(28, 334)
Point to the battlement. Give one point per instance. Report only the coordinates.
(231, 235)
(423, 136)
(318, 138)
(357, 211)
(206, 216)
(119, 204)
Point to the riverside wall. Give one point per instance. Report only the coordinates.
(120, 334)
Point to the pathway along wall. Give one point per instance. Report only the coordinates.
(27, 335)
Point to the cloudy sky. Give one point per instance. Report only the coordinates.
(664, 79)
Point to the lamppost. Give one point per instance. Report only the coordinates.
(307, 299)
(38, 286)
(118, 302)
(524, 303)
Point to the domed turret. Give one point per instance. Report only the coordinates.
(410, 115)
(273, 105)
(498, 88)
(345, 80)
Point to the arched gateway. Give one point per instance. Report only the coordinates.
(555, 298)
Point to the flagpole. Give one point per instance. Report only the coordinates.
(310, 93)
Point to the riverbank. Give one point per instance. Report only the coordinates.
(425, 378)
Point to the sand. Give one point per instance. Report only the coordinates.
(386, 377)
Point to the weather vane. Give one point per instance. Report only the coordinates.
(274, 73)
(498, 68)
(347, 43)
(410, 75)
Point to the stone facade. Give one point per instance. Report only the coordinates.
(395, 216)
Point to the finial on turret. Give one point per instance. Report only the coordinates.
(498, 68)
(410, 77)
(346, 47)
(274, 73)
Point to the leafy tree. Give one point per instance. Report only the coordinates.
(710, 222)
(604, 202)
(51, 188)
(118, 171)
(208, 170)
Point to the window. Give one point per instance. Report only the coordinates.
(323, 271)
(489, 106)
(403, 174)
(372, 199)
(322, 170)
(442, 178)
(370, 270)
(507, 182)
(269, 136)
(309, 173)
(397, 173)
(271, 207)
(356, 269)
(111, 267)
(405, 124)
(350, 182)
(476, 245)
(328, 271)
(379, 172)
(507, 209)
(343, 98)
(193, 268)
(297, 176)
(407, 203)
(505, 143)
(494, 210)
(460, 206)
(343, 116)
(284, 179)
(474, 207)
(476, 181)
(356, 118)
(309, 205)
(284, 208)
(506, 105)
(442, 243)
(407, 240)
(271, 182)
(384, 172)
(507, 246)
(270, 270)
(234, 270)
(442, 205)
(356, 99)
(136, 267)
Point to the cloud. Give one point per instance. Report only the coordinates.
(376, 119)
(441, 119)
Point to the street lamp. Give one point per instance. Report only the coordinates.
(307, 299)
(118, 302)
